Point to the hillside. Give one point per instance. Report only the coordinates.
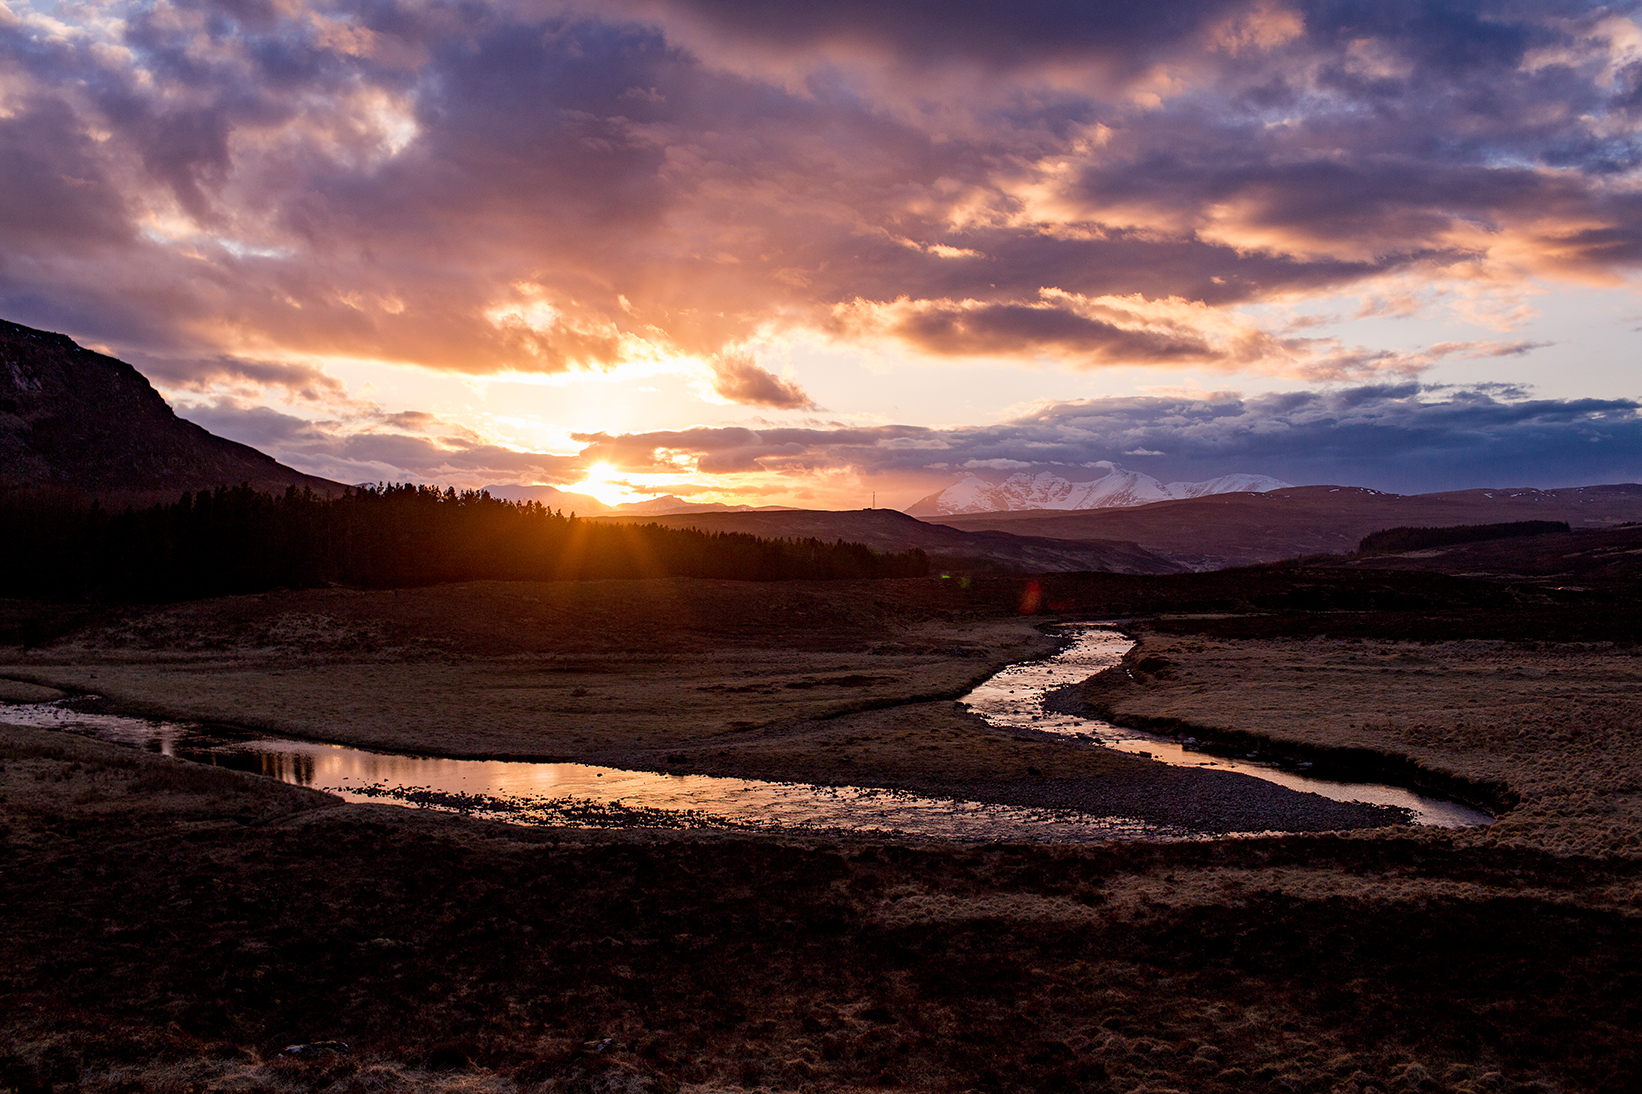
(77, 422)
(1586, 558)
(1240, 529)
(890, 530)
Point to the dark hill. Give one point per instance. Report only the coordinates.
(1399, 540)
(890, 530)
(1580, 558)
(1242, 529)
(77, 422)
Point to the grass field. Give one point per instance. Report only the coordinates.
(835, 683)
(549, 670)
(1559, 724)
(171, 928)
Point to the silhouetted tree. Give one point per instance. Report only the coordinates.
(234, 540)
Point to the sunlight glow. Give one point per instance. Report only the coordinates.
(603, 482)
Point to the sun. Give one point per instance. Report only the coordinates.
(603, 483)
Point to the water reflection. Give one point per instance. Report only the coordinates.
(1014, 699)
(582, 794)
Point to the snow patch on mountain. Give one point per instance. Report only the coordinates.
(1119, 487)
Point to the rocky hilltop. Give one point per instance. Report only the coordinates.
(84, 424)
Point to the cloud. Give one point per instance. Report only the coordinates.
(1405, 437)
(559, 186)
(1110, 45)
(981, 328)
(739, 379)
(301, 381)
(1390, 436)
(994, 465)
(1090, 332)
(373, 447)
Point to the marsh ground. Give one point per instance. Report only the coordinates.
(835, 683)
(536, 670)
(170, 928)
(1560, 724)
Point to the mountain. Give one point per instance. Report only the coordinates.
(1237, 529)
(668, 504)
(78, 422)
(1117, 488)
(550, 496)
(889, 530)
(586, 505)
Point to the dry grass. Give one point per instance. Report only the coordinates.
(46, 774)
(20, 691)
(827, 683)
(170, 928)
(1560, 724)
(178, 943)
(599, 671)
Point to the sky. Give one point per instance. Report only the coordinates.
(809, 254)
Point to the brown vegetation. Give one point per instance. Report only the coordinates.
(175, 935)
(950, 548)
(843, 683)
(1241, 529)
(585, 670)
(1560, 725)
(172, 928)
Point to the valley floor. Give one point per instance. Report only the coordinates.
(1558, 724)
(169, 927)
(831, 683)
(172, 928)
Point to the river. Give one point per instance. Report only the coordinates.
(588, 795)
(1013, 699)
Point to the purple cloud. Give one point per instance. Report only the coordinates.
(740, 379)
(492, 186)
(1395, 437)
(1403, 437)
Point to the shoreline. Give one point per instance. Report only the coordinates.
(1342, 763)
(1194, 803)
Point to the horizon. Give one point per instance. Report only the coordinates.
(757, 257)
(535, 491)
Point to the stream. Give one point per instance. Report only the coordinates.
(1013, 699)
(591, 796)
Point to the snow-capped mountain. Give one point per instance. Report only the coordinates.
(1118, 487)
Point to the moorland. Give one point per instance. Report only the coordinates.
(173, 927)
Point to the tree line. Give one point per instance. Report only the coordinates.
(1396, 540)
(240, 540)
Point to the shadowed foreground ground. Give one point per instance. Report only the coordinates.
(165, 927)
(170, 928)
